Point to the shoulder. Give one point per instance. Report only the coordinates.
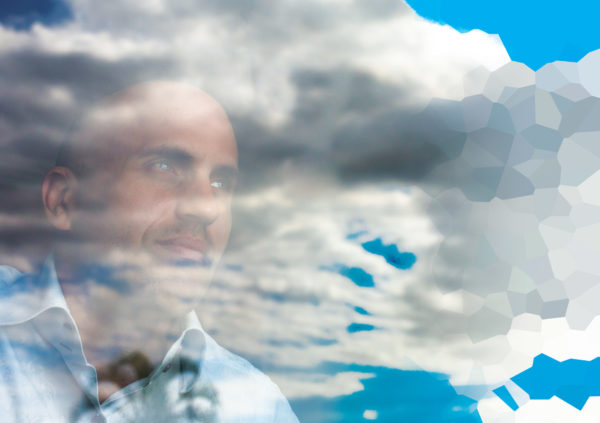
(225, 363)
(252, 389)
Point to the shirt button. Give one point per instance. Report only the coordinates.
(98, 418)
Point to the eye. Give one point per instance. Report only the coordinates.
(223, 184)
(223, 179)
(162, 165)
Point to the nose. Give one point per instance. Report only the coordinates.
(197, 205)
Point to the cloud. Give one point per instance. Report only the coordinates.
(535, 35)
(325, 98)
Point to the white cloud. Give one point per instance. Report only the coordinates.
(251, 58)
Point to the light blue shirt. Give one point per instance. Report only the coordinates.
(45, 377)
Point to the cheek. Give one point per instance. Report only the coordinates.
(219, 231)
(140, 207)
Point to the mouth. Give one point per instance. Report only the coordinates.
(185, 249)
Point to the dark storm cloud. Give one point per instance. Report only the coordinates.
(34, 124)
(287, 17)
(342, 94)
(325, 102)
(265, 21)
(399, 144)
(350, 124)
(338, 113)
(86, 77)
(345, 124)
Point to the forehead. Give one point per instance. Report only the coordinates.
(161, 115)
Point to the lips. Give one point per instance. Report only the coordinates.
(185, 247)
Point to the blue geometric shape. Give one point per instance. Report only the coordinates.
(355, 235)
(390, 253)
(573, 381)
(505, 396)
(534, 32)
(539, 381)
(576, 395)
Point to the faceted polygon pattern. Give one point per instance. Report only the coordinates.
(524, 225)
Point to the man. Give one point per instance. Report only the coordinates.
(140, 199)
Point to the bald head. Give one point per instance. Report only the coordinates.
(107, 127)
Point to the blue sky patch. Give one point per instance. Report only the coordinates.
(359, 327)
(355, 235)
(534, 32)
(394, 395)
(358, 276)
(22, 14)
(400, 260)
(362, 311)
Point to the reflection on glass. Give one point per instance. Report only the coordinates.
(140, 202)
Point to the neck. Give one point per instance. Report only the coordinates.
(118, 316)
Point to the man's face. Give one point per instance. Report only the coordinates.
(162, 184)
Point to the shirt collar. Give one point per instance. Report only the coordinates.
(29, 295)
(39, 300)
(187, 352)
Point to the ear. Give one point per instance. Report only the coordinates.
(58, 196)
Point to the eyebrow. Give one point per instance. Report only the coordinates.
(184, 159)
(227, 171)
(176, 155)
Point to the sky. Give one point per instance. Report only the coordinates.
(534, 33)
(317, 92)
(22, 15)
(362, 255)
